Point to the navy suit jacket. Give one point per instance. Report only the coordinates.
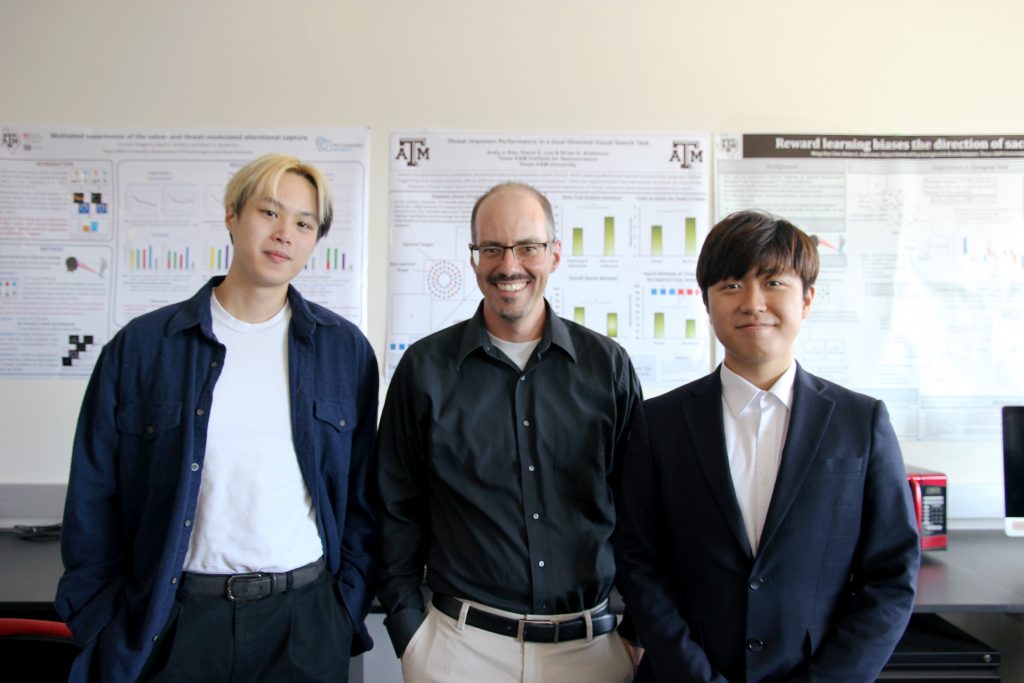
(831, 588)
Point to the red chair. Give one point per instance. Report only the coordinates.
(43, 650)
(10, 626)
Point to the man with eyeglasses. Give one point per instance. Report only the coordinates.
(496, 444)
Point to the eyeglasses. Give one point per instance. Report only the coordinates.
(526, 253)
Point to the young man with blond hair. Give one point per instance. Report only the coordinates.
(218, 525)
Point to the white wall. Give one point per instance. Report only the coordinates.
(905, 67)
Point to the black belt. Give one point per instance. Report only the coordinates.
(529, 630)
(250, 586)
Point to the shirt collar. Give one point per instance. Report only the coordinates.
(739, 393)
(196, 312)
(556, 333)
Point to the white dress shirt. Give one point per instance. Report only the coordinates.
(756, 423)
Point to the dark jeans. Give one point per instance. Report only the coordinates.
(301, 635)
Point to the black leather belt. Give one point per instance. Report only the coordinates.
(250, 586)
(529, 630)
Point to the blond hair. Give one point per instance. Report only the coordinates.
(259, 178)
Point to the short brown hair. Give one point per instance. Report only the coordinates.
(259, 178)
(746, 240)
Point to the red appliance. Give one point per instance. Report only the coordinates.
(929, 492)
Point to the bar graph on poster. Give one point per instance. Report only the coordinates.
(100, 225)
(630, 211)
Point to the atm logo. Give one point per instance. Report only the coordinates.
(686, 153)
(728, 145)
(11, 141)
(412, 151)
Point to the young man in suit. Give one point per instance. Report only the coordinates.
(765, 528)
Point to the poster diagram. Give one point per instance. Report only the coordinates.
(53, 304)
(141, 213)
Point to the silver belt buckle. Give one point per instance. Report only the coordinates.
(241, 577)
(523, 622)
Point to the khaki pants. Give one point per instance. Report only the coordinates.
(446, 650)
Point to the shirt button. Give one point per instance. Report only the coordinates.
(200, 411)
(526, 423)
(541, 563)
(195, 467)
(188, 523)
(536, 516)
(532, 468)
(174, 579)
(150, 429)
(341, 423)
(755, 644)
(155, 638)
(213, 364)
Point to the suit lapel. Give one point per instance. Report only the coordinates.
(807, 425)
(702, 411)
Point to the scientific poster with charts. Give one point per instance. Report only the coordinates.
(99, 225)
(631, 212)
(921, 241)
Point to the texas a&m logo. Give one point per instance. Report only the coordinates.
(11, 140)
(412, 151)
(686, 153)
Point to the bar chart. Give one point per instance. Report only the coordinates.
(597, 317)
(595, 232)
(669, 236)
(220, 258)
(151, 257)
(326, 259)
(673, 313)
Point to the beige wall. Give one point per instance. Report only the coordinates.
(899, 66)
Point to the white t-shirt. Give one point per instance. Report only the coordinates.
(254, 512)
(518, 352)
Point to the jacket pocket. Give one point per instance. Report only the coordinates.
(339, 415)
(841, 465)
(147, 420)
(150, 444)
